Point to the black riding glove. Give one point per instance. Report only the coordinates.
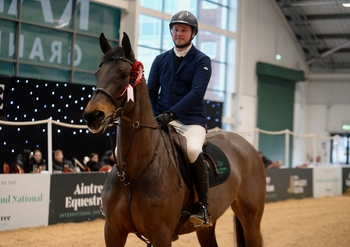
(165, 118)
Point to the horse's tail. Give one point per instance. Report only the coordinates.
(240, 234)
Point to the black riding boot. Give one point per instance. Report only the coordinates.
(202, 217)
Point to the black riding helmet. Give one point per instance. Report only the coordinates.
(184, 17)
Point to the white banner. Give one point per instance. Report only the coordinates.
(24, 200)
(327, 181)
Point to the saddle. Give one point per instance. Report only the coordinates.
(216, 161)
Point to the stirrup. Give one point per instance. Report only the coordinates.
(198, 221)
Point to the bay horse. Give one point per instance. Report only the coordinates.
(144, 193)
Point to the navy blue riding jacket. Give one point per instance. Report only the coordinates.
(180, 91)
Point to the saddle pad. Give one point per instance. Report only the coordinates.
(221, 162)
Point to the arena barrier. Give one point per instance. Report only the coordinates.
(24, 200)
(76, 197)
(282, 184)
(308, 149)
(30, 200)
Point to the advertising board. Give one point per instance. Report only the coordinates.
(24, 200)
(282, 184)
(76, 197)
(327, 181)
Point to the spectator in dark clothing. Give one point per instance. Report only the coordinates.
(59, 162)
(107, 158)
(268, 163)
(93, 163)
(22, 160)
(37, 162)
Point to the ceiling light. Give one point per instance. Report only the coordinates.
(345, 127)
(346, 5)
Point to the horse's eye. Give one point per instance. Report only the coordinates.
(123, 76)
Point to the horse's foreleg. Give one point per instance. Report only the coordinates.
(206, 236)
(160, 240)
(113, 237)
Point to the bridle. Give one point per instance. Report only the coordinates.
(135, 79)
(131, 82)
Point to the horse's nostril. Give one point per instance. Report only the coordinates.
(99, 115)
(93, 116)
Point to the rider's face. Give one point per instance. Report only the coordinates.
(181, 34)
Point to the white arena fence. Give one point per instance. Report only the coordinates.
(49, 123)
(308, 149)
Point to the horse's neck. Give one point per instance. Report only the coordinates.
(136, 139)
(141, 110)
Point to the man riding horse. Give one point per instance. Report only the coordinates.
(182, 74)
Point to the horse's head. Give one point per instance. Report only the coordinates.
(118, 72)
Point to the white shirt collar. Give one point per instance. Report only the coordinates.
(182, 53)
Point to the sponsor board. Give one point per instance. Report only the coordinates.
(76, 197)
(282, 184)
(24, 200)
(327, 181)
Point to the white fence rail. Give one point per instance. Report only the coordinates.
(311, 148)
(49, 123)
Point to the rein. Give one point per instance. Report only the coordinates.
(121, 173)
(120, 170)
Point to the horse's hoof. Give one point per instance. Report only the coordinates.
(174, 237)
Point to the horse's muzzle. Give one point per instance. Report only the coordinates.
(96, 121)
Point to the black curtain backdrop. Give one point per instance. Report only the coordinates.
(31, 100)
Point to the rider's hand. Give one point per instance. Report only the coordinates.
(165, 118)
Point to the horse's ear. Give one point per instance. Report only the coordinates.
(127, 47)
(104, 44)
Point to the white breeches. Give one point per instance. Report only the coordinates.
(195, 136)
